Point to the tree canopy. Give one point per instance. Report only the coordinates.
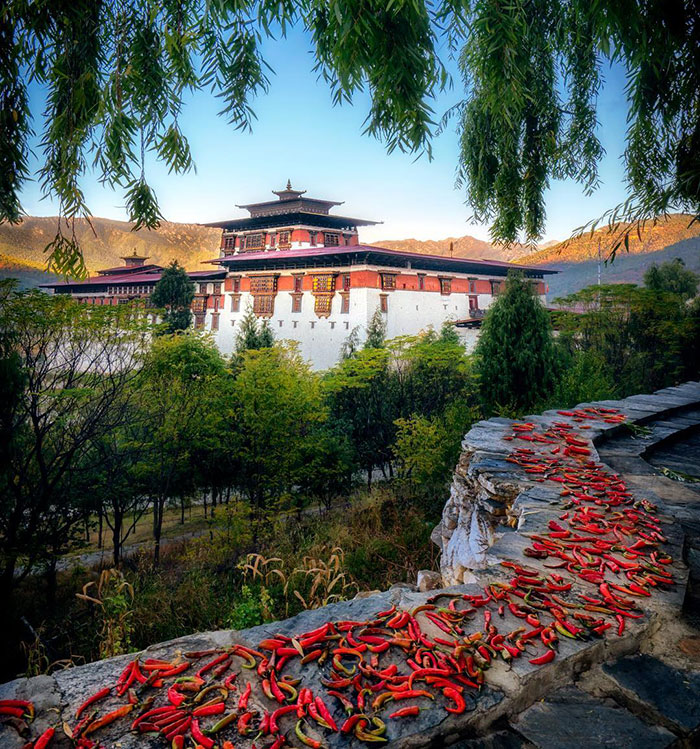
(516, 360)
(672, 277)
(116, 74)
(174, 292)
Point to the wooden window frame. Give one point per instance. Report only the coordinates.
(345, 303)
(445, 286)
(248, 241)
(384, 303)
(326, 239)
(388, 281)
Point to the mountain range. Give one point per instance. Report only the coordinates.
(105, 241)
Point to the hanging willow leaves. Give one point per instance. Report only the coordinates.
(115, 73)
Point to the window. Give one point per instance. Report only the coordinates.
(384, 303)
(388, 281)
(445, 286)
(284, 238)
(296, 303)
(264, 304)
(495, 287)
(473, 303)
(472, 286)
(202, 288)
(346, 282)
(215, 321)
(323, 284)
(421, 282)
(345, 304)
(236, 284)
(217, 299)
(235, 303)
(198, 322)
(312, 237)
(298, 284)
(198, 305)
(229, 242)
(263, 284)
(217, 288)
(273, 240)
(322, 305)
(255, 241)
(331, 239)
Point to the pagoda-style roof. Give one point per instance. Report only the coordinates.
(100, 282)
(290, 209)
(368, 255)
(121, 269)
(294, 218)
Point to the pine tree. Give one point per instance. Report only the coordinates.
(376, 331)
(516, 359)
(252, 334)
(174, 293)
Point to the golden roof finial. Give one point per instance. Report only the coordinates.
(289, 184)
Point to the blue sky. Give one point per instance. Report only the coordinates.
(300, 135)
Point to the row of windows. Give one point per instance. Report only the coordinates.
(142, 289)
(216, 288)
(282, 239)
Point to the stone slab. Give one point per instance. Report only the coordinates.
(571, 718)
(671, 693)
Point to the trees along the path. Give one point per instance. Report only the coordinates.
(360, 393)
(515, 356)
(174, 293)
(68, 369)
(274, 408)
(179, 400)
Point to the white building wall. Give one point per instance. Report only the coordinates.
(320, 340)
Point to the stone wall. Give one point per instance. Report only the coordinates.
(500, 498)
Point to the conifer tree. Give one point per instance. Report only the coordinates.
(376, 331)
(252, 334)
(174, 293)
(516, 360)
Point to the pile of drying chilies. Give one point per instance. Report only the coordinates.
(389, 668)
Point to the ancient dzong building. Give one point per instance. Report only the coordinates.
(304, 269)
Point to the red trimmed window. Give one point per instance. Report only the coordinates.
(298, 284)
(296, 303)
(255, 241)
(445, 286)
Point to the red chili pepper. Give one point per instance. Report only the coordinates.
(406, 712)
(120, 712)
(452, 694)
(216, 709)
(243, 699)
(325, 713)
(546, 657)
(199, 737)
(45, 739)
(273, 727)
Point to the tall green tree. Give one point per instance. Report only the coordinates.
(275, 403)
(116, 75)
(253, 333)
(515, 355)
(70, 370)
(672, 277)
(376, 330)
(174, 293)
(179, 398)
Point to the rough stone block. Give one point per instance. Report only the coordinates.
(570, 718)
(671, 694)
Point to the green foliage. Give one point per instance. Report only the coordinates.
(174, 293)
(66, 371)
(672, 277)
(117, 75)
(376, 330)
(251, 609)
(643, 339)
(275, 402)
(252, 333)
(584, 377)
(515, 354)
